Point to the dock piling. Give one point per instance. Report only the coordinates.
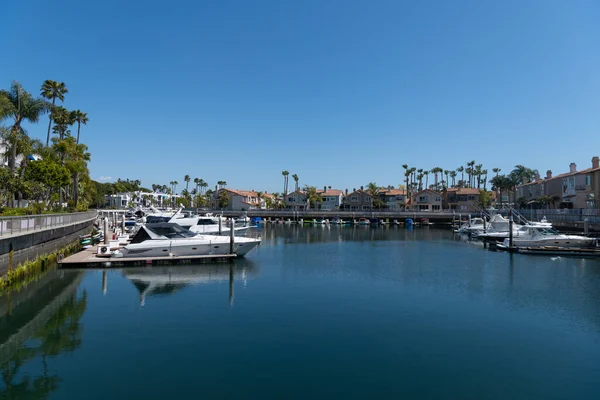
(232, 238)
(106, 231)
(510, 230)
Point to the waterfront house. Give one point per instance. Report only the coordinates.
(358, 200)
(296, 201)
(427, 200)
(573, 189)
(593, 197)
(241, 200)
(462, 199)
(393, 199)
(331, 199)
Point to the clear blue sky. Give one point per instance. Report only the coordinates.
(341, 93)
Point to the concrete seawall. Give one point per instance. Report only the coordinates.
(28, 245)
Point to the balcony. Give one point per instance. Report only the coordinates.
(580, 187)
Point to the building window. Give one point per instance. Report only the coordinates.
(354, 198)
(438, 198)
(423, 198)
(435, 207)
(588, 180)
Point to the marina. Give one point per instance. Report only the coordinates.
(380, 306)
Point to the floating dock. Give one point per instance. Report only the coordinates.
(87, 258)
(559, 251)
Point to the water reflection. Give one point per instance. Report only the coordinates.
(282, 234)
(37, 323)
(161, 281)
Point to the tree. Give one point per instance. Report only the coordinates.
(20, 106)
(62, 118)
(312, 196)
(223, 199)
(496, 170)
(295, 177)
(187, 182)
(80, 118)
(461, 169)
(53, 90)
(453, 176)
(470, 171)
(285, 182)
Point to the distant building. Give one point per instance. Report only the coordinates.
(573, 189)
(241, 200)
(296, 200)
(331, 199)
(462, 199)
(393, 199)
(358, 200)
(427, 200)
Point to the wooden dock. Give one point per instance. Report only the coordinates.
(87, 259)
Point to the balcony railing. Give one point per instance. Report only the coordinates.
(25, 223)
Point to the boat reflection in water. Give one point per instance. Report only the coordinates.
(157, 281)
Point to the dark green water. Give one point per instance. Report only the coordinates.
(314, 312)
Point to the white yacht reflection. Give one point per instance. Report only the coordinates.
(157, 281)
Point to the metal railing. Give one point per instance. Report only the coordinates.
(553, 215)
(26, 223)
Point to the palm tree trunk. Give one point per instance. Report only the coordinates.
(78, 129)
(50, 122)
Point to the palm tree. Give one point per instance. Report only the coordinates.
(203, 185)
(477, 174)
(285, 182)
(312, 196)
(470, 166)
(53, 90)
(295, 177)
(453, 176)
(420, 179)
(461, 169)
(196, 182)
(21, 106)
(496, 170)
(435, 171)
(484, 173)
(62, 118)
(446, 172)
(426, 173)
(187, 182)
(80, 118)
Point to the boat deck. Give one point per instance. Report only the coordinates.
(87, 258)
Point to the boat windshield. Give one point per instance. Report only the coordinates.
(171, 231)
(206, 221)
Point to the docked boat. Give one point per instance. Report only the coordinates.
(336, 221)
(168, 239)
(472, 226)
(364, 221)
(540, 236)
(208, 225)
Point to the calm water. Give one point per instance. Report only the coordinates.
(312, 313)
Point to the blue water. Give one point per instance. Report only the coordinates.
(314, 312)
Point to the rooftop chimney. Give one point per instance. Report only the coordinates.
(595, 162)
(354, 189)
(549, 174)
(362, 188)
(537, 176)
(572, 167)
(324, 188)
(346, 192)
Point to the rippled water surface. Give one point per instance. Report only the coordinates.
(313, 312)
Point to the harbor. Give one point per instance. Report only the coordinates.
(400, 302)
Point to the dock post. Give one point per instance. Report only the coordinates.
(106, 230)
(586, 226)
(232, 238)
(484, 223)
(220, 225)
(469, 219)
(510, 231)
(123, 225)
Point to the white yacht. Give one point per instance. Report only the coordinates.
(474, 225)
(209, 225)
(541, 236)
(168, 239)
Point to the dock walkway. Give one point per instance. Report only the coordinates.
(87, 258)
